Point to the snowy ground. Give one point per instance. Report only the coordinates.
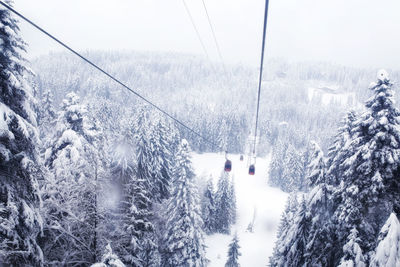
(252, 193)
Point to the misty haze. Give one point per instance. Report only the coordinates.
(199, 133)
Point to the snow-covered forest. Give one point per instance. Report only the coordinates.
(90, 175)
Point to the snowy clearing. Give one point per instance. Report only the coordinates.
(326, 96)
(252, 193)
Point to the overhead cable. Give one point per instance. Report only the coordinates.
(261, 74)
(111, 76)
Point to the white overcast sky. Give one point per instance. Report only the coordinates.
(351, 32)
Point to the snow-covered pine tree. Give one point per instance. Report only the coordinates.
(47, 114)
(109, 259)
(113, 116)
(154, 154)
(319, 241)
(338, 153)
(183, 237)
(233, 253)
(20, 221)
(346, 217)
(293, 171)
(288, 216)
(295, 243)
(141, 216)
(145, 191)
(232, 197)
(163, 149)
(316, 168)
(352, 253)
(100, 161)
(276, 167)
(237, 124)
(370, 186)
(387, 252)
(175, 140)
(121, 221)
(287, 220)
(123, 156)
(208, 208)
(144, 152)
(70, 206)
(305, 158)
(222, 136)
(223, 220)
(339, 150)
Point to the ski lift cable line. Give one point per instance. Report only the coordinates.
(213, 34)
(196, 29)
(111, 77)
(261, 73)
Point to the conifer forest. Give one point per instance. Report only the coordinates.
(138, 154)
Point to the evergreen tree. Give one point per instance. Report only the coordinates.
(298, 237)
(47, 114)
(316, 168)
(70, 198)
(387, 252)
(369, 189)
(208, 208)
(20, 221)
(232, 197)
(340, 149)
(338, 153)
(144, 152)
(131, 230)
(163, 150)
(288, 216)
(100, 162)
(277, 164)
(183, 237)
(222, 134)
(233, 253)
(223, 219)
(353, 255)
(109, 259)
(287, 220)
(142, 226)
(306, 158)
(144, 191)
(293, 170)
(155, 149)
(121, 221)
(319, 241)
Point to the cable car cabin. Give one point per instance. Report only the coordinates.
(252, 169)
(228, 165)
(241, 157)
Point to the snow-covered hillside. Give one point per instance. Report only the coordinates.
(253, 194)
(326, 95)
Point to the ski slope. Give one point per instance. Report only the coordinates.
(252, 194)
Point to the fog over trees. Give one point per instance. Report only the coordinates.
(90, 175)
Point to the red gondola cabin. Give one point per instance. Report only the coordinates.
(228, 165)
(252, 169)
